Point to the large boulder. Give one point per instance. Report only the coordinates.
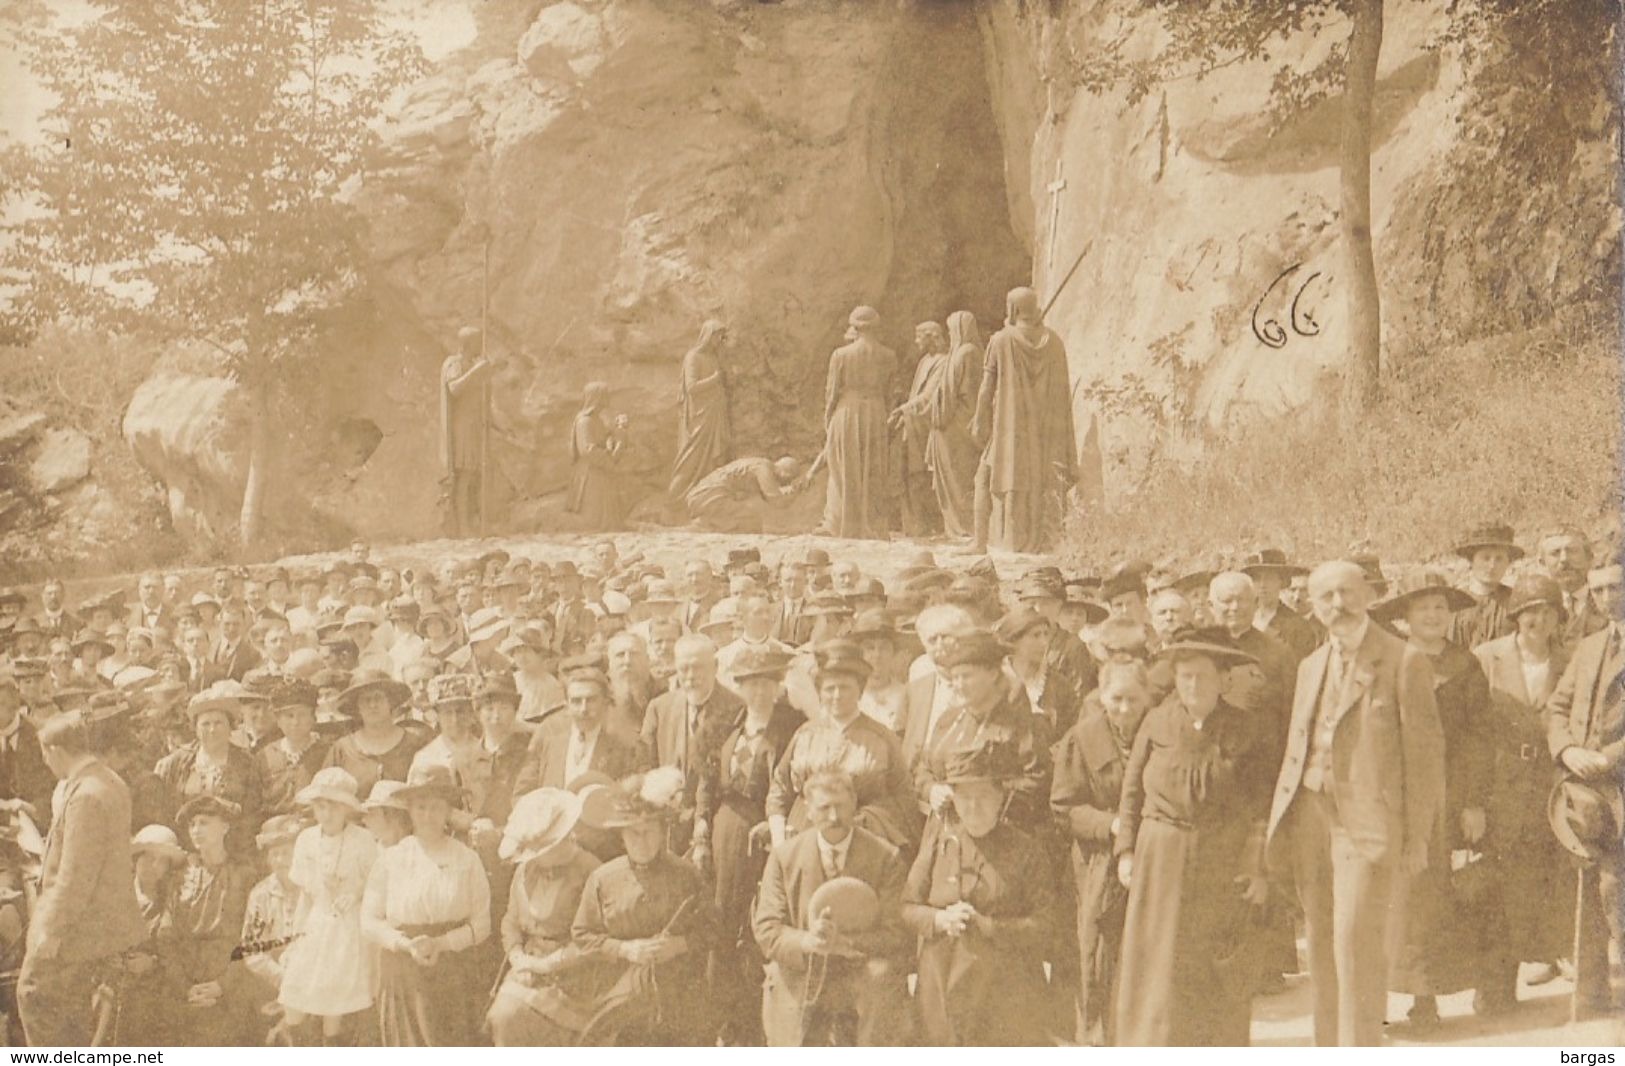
(189, 434)
(62, 460)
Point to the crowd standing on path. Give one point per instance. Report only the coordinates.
(597, 801)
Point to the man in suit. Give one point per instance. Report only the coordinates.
(24, 775)
(929, 695)
(1272, 574)
(55, 618)
(150, 611)
(1585, 732)
(234, 654)
(1565, 554)
(790, 622)
(854, 978)
(703, 595)
(1360, 788)
(577, 742)
(86, 911)
(685, 727)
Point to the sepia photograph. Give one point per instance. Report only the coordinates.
(811, 523)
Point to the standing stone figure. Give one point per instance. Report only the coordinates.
(1024, 414)
(913, 422)
(703, 442)
(465, 404)
(855, 445)
(951, 453)
(595, 480)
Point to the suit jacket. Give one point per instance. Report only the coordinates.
(792, 627)
(794, 872)
(667, 741)
(550, 746)
(922, 691)
(86, 901)
(23, 773)
(66, 624)
(136, 617)
(1573, 716)
(241, 659)
(1300, 635)
(1387, 755)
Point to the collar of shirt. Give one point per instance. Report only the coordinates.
(585, 741)
(695, 705)
(1264, 615)
(834, 855)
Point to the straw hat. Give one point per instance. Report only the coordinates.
(279, 829)
(431, 780)
(640, 798)
(365, 680)
(385, 795)
(334, 784)
(227, 695)
(157, 840)
(539, 827)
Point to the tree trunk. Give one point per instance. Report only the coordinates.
(259, 458)
(1361, 381)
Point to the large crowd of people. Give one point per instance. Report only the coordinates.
(596, 800)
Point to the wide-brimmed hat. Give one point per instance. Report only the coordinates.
(926, 580)
(1271, 561)
(12, 597)
(651, 796)
(661, 593)
(539, 826)
(827, 603)
(157, 840)
(1194, 581)
(495, 555)
(1427, 583)
(1586, 818)
(1123, 580)
(227, 695)
(430, 780)
(291, 692)
(1533, 590)
(1019, 622)
(210, 804)
(874, 622)
(1490, 535)
(88, 637)
(364, 680)
(385, 795)
(280, 829)
(529, 637)
(1215, 642)
(404, 608)
(334, 784)
(486, 623)
(1041, 585)
(360, 615)
(975, 648)
(841, 656)
(1077, 596)
(760, 662)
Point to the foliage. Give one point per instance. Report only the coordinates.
(190, 183)
(1522, 428)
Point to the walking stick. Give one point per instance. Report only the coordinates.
(1579, 924)
(485, 388)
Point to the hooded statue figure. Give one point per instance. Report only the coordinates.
(1024, 413)
(703, 442)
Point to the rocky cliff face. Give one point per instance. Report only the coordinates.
(605, 174)
(1205, 239)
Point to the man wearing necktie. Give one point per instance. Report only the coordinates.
(1585, 732)
(685, 728)
(824, 981)
(1360, 787)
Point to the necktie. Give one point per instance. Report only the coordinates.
(832, 863)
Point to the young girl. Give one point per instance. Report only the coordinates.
(328, 972)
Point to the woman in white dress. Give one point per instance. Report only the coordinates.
(427, 905)
(328, 971)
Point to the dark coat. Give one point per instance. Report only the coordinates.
(23, 773)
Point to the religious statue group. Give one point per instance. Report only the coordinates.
(974, 443)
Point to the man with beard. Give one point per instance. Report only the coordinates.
(631, 685)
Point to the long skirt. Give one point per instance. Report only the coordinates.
(972, 994)
(1439, 951)
(427, 1006)
(952, 457)
(1101, 903)
(534, 1014)
(736, 962)
(857, 503)
(1186, 975)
